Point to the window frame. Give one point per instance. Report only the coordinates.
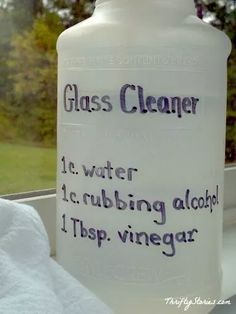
(230, 187)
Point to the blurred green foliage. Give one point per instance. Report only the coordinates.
(222, 14)
(32, 72)
(28, 33)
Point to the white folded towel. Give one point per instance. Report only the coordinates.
(30, 281)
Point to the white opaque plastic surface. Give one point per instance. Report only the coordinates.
(141, 128)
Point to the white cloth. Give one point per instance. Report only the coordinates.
(30, 281)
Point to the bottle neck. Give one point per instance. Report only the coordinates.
(166, 11)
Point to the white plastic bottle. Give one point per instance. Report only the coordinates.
(141, 128)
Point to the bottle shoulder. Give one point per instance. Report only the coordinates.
(101, 33)
(206, 35)
(73, 34)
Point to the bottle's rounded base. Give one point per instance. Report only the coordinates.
(198, 303)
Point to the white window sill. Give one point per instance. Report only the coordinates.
(229, 254)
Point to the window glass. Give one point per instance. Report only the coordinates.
(28, 33)
(222, 14)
